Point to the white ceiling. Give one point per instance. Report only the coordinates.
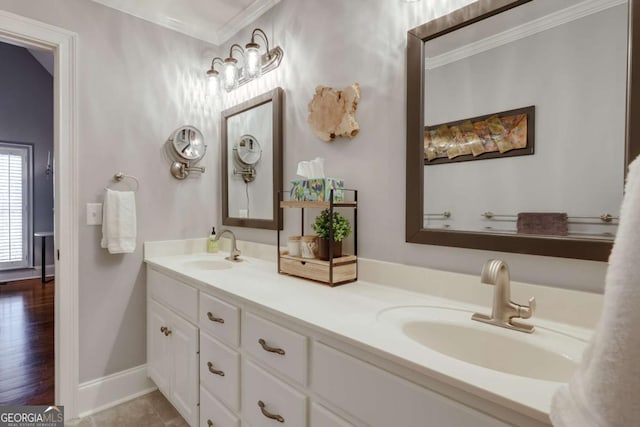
(213, 21)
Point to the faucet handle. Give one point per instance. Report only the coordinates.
(526, 312)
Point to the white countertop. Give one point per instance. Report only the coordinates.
(349, 313)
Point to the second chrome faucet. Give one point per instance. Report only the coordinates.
(496, 272)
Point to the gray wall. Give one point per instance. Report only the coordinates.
(26, 115)
(137, 83)
(336, 43)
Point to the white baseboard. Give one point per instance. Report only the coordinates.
(103, 393)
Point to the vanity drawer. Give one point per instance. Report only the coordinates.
(381, 399)
(322, 417)
(278, 398)
(220, 371)
(220, 319)
(280, 348)
(213, 413)
(178, 296)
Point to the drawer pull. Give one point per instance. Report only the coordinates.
(268, 414)
(210, 423)
(214, 318)
(264, 345)
(214, 371)
(166, 331)
(163, 329)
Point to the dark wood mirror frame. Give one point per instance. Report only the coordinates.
(596, 250)
(274, 96)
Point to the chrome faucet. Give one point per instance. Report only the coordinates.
(234, 253)
(496, 272)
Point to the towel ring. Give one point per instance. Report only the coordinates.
(119, 177)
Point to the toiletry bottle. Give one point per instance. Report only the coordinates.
(212, 243)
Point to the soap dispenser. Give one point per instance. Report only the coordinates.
(213, 244)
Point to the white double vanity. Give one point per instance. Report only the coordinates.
(236, 344)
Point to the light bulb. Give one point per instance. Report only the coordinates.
(213, 82)
(253, 61)
(230, 74)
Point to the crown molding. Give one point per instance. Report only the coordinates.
(244, 18)
(235, 24)
(536, 26)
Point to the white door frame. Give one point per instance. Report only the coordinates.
(29, 33)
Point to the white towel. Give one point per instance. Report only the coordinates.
(605, 390)
(119, 222)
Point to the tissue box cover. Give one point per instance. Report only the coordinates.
(317, 189)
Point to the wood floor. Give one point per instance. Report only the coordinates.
(26, 343)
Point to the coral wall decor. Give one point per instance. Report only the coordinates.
(332, 112)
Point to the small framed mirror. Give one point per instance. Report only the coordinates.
(252, 162)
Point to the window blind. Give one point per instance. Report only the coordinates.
(14, 197)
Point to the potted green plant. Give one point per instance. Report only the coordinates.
(341, 229)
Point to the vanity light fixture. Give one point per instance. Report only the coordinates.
(254, 65)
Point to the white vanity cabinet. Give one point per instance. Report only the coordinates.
(255, 368)
(172, 344)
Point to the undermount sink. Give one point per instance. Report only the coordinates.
(545, 354)
(208, 264)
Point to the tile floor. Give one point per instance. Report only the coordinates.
(150, 410)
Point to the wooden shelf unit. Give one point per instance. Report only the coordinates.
(335, 271)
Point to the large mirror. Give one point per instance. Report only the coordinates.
(252, 162)
(517, 131)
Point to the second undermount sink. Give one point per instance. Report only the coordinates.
(208, 264)
(545, 354)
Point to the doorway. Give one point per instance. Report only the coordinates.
(27, 356)
(32, 34)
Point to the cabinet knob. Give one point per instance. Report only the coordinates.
(270, 349)
(268, 414)
(214, 318)
(214, 371)
(163, 329)
(167, 332)
(210, 423)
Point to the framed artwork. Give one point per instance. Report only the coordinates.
(505, 134)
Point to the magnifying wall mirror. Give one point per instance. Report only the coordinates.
(252, 162)
(522, 111)
(186, 145)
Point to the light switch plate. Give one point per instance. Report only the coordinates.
(94, 213)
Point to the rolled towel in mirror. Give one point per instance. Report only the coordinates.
(546, 223)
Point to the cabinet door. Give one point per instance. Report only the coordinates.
(184, 388)
(158, 353)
